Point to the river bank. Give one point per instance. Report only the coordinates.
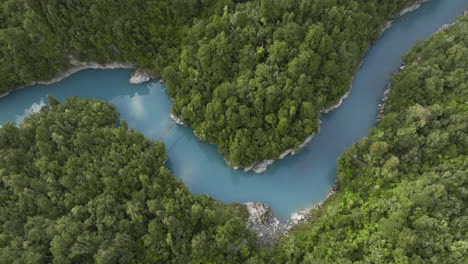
(262, 165)
(406, 10)
(381, 115)
(138, 76)
(193, 170)
(268, 228)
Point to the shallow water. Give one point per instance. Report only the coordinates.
(288, 185)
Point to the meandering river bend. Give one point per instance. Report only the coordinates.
(290, 184)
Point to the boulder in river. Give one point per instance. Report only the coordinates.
(139, 76)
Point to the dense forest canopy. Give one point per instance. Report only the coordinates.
(75, 188)
(248, 76)
(404, 189)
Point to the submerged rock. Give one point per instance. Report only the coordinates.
(139, 76)
(268, 228)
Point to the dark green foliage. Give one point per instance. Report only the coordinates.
(75, 188)
(403, 189)
(249, 76)
(254, 79)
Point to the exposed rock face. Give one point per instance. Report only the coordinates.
(139, 76)
(380, 115)
(266, 225)
(259, 166)
(259, 213)
(406, 10)
(445, 27)
(412, 7)
(176, 119)
(79, 66)
(262, 222)
(340, 102)
(268, 228)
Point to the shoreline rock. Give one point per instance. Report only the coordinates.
(412, 7)
(381, 115)
(139, 76)
(176, 119)
(77, 66)
(266, 225)
(445, 27)
(80, 66)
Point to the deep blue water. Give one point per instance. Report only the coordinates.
(297, 181)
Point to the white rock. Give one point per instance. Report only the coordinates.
(139, 76)
(412, 7)
(247, 169)
(259, 213)
(176, 119)
(79, 66)
(284, 154)
(262, 166)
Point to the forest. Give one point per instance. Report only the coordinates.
(77, 188)
(403, 189)
(249, 76)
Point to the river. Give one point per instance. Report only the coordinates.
(288, 185)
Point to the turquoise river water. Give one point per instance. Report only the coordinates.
(288, 185)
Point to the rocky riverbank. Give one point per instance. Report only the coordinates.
(261, 219)
(268, 228)
(176, 119)
(262, 165)
(138, 76)
(78, 66)
(380, 115)
(404, 11)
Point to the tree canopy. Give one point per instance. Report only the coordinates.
(248, 76)
(403, 189)
(76, 188)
